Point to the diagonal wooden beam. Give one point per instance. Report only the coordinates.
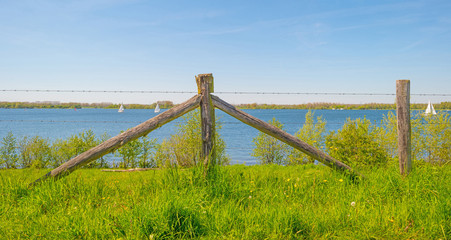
(121, 139)
(282, 136)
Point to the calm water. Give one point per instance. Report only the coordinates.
(62, 123)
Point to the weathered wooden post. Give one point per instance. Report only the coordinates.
(404, 130)
(207, 112)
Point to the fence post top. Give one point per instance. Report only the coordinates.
(403, 80)
(204, 78)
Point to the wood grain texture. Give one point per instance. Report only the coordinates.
(207, 113)
(122, 139)
(404, 128)
(281, 135)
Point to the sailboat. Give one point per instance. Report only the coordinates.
(157, 108)
(121, 109)
(430, 109)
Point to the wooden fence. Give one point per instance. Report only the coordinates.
(207, 103)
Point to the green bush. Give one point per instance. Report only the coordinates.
(184, 148)
(269, 150)
(138, 153)
(358, 144)
(8, 152)
(312, 133)
(64, 150)
(430, 137)
(34, 152)
(435, 143)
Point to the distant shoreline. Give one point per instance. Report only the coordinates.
(169, 104)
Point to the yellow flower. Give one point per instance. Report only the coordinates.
(288, 180)
(324, 180)
(340, 180)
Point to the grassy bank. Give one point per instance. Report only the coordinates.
(239, 202)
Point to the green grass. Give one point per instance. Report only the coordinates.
(238, 202)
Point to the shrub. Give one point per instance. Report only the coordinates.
(8, 152)
(430, 137)
(138, 153)
(34, 152)
(269, 150)
(64, 150)
(312, 133)
(184, 148)
(358, 143)
(61, 152)
(435, 143)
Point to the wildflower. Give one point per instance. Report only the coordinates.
(324, 180)
(353, 204)
(250, 197)
(288, 180)
(252, 182)
(340, 180)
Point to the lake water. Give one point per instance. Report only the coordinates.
(62, 123)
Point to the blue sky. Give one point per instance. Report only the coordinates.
(283, 46)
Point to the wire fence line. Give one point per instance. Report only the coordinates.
(221, 92)
(177, 122)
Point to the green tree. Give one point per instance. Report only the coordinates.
(184, 148)
(64, 150)
(269, 150)
(430, 137)
(436, 138)
(34, 152)
(312, 133)
(358, 144)
(138, 153)
(8, 152)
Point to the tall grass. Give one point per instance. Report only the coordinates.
(237, 202)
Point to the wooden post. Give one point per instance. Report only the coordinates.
(282, 136)
(122, 139)
(404, 130)
(205, 86)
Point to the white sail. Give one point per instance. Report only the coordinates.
(157, 108)
(430, 109)
(121, 109)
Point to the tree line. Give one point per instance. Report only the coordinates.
(170, 104)
(70, 105)
(341, 106)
